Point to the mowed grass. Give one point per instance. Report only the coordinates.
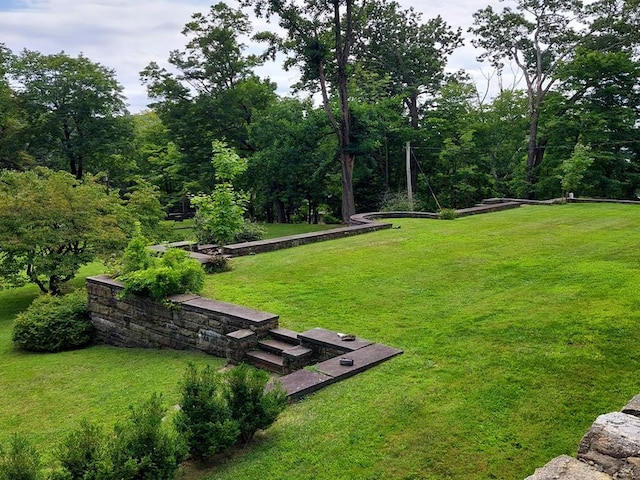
(44, 396)
(184, 230)
(518, 328)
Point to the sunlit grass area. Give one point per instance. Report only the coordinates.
(43, 396)
(518, 329)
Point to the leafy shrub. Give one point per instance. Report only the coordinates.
(137, 255)
(250, 232)
(204, 419)
(448, 214)
(53, 324)
(220, 215)
(396, 202)
(218, 264)
(20, 461)
(175, 272)
(144, 448)
(83, 454)
(252, 407)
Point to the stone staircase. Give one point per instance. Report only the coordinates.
(280, 352)
(331, 357)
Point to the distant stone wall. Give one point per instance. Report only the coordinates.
(271, 244)
(185, 322)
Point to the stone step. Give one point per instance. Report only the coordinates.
(285, 335)
(267, 360)
(275, 346)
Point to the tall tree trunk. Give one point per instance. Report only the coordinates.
(348, 200)
(281, 216)
(535, 155)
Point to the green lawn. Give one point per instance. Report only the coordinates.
(43, 396)
(184, 230)
(518, 328)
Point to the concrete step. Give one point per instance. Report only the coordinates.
(275, 346)
(267, 360)
(285, 335)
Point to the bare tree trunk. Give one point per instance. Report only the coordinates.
(535, 155)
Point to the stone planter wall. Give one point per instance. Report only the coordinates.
(184, 322)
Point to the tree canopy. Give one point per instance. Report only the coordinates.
(374, 76)
(51, 224)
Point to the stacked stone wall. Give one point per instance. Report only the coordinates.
(609, 450)
(183, 322)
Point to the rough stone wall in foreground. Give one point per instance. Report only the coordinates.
(609, 450)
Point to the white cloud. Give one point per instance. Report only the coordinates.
(126, 35)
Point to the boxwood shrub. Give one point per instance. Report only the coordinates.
(53, 324)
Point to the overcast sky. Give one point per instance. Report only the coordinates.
(125, 35)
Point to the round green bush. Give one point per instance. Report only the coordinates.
(173, 273)
(53, 324)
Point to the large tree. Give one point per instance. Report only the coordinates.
(294, 158)
(537, 36)
(318, 38)
(213, 93)
(12, 123)
(51, 224)
(541, 37)
(74, 108)
(411, 54)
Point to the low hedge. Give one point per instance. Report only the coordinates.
(53, 324)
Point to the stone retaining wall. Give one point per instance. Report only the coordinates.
(271, 244)
(609, 450)
(185, 322)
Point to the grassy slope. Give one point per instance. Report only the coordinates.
(45, 395)
(519, 328)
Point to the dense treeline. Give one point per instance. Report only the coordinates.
(373, 78)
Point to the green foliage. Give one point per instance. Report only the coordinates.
(220, 215)
(218, 408)
(83, 454)
(143, 201)
(290, 170)
(75, 111)
(51, 224)
(396, 202)
(250, 232)
(20, 461)
(204, 418)
(227, 163)
(144, 448)
(137, 255)
(251, 407)
(574, 168)
(448, 214)
(172, 273)
(53, 324)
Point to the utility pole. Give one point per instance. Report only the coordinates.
(409, 188)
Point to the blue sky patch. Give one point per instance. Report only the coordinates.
(9, 5)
